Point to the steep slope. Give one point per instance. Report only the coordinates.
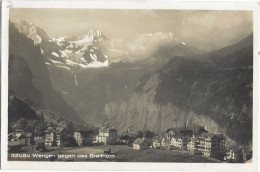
(29, 76)
(213, 90)
(90, 89)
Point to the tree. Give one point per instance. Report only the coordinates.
(71, 141)
(148, 134)
(40, 128)
(139, 134)
(21, 123)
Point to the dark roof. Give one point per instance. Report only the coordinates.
(39, 136)
(82, 130)
(172, 129)
(211, 135)
(196, 129)
(20, 136)
(139, 141)
(49, 129)
(40, 141)
(28, 135)
(194, 139)
(125, 137)
(59, 129)
(156, 138)
(107, 130)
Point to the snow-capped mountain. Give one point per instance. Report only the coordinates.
(82, 51)
(67, 52)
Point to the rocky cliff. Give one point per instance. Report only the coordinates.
(213, 90)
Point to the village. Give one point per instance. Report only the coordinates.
(189, 140)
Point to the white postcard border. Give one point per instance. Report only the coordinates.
(26, 165)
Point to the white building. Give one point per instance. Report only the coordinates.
(107, 135)
(140, 144)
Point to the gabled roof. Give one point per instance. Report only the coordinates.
(49, 129)
(20, 136)
(194, 139)
(82, 130)
(28, 135)
(107, 129)
(125, 137)
(156, 138)
(12, 135)
(59, 129)
(196, 129)
(179, 137)
(211, 135)
(139, 141)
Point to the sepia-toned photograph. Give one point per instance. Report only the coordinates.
(130, 85)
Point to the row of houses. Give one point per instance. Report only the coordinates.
(196, 140)
(53, 136)
(59, 136)
(19, 138)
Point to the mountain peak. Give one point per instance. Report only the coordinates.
(36, 33)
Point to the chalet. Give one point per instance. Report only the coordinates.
(61, 136)
(180, 142)
(55, 136)
(192, 143)
(83, 137)
(156, 142)
(21, 137)
(237, 154)
(211, 145)
(164, 142)
(28, 138)
(140, 144)
(50, 136)
(185, 131)
(107, 135)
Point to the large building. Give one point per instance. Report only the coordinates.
(180, 142)
(185, 131)
(107, 135)
(211, 144)
(55, 136)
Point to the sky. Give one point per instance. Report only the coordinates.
(220, 27)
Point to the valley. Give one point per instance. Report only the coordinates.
(154, 82)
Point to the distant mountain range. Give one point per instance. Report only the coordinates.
(155, 81)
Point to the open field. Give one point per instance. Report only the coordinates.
(119, 153)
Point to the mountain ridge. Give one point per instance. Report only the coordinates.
(213, 90)
(29, 76)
